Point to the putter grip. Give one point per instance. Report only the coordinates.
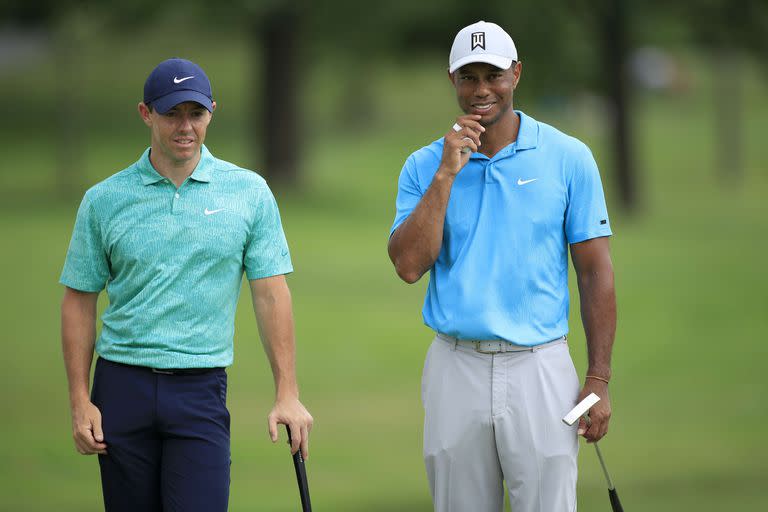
(615, 503)
(301, 477)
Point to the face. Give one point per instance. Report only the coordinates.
(485, 90)
(178, 134)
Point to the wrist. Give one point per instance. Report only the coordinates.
(287, 391)
(603, 371)
(597, 378)
(444, 175)
(78, 400)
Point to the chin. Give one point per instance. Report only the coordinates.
(489, 120)
(187, 153)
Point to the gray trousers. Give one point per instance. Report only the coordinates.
(491, 418)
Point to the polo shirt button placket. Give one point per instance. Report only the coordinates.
(489, 172)
(176, 209)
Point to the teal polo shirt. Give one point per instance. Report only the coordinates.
(172, 260)
(502, 271)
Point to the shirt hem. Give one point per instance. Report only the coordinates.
(184, 362)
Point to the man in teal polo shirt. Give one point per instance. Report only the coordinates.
(170, 237)
(490, 210)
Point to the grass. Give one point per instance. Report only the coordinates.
(688, 393)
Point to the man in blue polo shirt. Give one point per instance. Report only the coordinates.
(490, 211)
(170, 237)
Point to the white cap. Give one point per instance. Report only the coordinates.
(482, 42)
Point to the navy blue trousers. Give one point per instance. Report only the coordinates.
(167, 439)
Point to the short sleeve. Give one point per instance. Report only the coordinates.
(586, 216)
(408, 193)
(266, 251)
(86, 267)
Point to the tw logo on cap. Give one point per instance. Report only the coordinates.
(478, 40)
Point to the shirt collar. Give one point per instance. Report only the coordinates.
(528, 134)
(201, 173)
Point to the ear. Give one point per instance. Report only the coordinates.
(517, 72)
(450, 78)
(213, 106)
(145, 114)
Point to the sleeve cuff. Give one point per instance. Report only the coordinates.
(588, 235)
(261, 274)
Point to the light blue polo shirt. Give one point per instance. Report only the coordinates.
(172, 260)
(502, 271)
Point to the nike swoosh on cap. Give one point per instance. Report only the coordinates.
(179, 80)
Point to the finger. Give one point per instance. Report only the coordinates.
(470, 131)
(305, 442)
(99, 451)
(460, 142)
(582, 426)
(466, 133)
(272, 423)
(472, 137)
(89, 448)
(78, 446)
(466, 148)
(470, 119)
(604, 429)
(295, 437)
(81, 444)
(601, 417)
(93, 446)
(473, 126)
(97, 447)
(98, 433)
(470, 128)
(467, 145)
(86, 442)
(593, 432)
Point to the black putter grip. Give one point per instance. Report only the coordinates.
(301, 476)
(615, 503)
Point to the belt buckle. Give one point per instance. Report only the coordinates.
(482, 351)
(162, 372)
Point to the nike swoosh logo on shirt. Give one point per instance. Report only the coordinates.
(179, 80)
(525, 182)
(211, 212)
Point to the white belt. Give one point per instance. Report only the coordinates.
(497, 346)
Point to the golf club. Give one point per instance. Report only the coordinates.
(577, 412)
(301, 476)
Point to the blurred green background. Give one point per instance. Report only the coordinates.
(367, 88)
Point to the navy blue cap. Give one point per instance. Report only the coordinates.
(175, 81)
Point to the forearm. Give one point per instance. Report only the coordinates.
(78, 335)
(274, 315)
(415, 245)
(598, 315)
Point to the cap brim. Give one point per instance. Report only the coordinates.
(495, 60)
(167, 102)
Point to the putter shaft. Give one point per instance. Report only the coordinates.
(612, 494)
(570, 419)
(605, 469)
